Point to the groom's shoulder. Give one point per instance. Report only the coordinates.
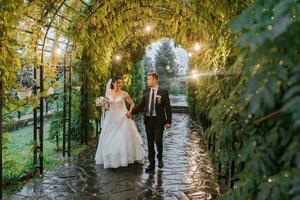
(146, 90)
(163, 89)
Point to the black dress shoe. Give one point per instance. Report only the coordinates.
(160, 164)
(150, 169)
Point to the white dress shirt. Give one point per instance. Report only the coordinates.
(150, 96)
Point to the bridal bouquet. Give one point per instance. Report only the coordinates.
(102, 102)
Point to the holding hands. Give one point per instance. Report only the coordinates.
(128, 115)
(167, 126)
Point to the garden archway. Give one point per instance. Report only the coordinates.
(249, 94)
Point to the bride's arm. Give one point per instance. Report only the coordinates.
(130, 102)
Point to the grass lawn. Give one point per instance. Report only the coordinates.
(18, 156)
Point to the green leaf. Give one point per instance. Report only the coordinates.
(264, 192)
(292, 105)
(292, 92)
(268, 98)
(280, 26)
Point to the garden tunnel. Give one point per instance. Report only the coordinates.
(80, 38)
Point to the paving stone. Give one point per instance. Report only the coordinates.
(188, 172)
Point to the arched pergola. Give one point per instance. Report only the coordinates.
(241, 91)
(51, 25)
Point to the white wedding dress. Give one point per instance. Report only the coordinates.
(120, 143)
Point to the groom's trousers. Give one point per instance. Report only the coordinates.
(154, 131)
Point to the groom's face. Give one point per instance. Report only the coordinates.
(151, 81)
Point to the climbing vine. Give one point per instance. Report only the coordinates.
(260, 117)
(250, 90)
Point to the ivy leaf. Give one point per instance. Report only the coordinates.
(264, 192)
(242, 21)
(295, 190)
(268, 98)
(296, 197)
(280, 26)
(282, 7)
(292, 105)
(255, 103)
(292, 92)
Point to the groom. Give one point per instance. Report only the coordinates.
(157, 115)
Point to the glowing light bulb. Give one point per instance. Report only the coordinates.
(58, 51)
(197, 47)
(118, 57)
(148, 28)
(194, 76)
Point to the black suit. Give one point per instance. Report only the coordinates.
(155, 125)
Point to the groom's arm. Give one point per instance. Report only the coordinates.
(168, 109)
(139, 107)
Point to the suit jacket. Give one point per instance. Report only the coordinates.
(162, 105)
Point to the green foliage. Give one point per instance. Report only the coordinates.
(251, 90)
(165, 64)
(9, 60)
(75, 115)
(56, 128)
(261, 115)
(148, 64)
(137, 82)
(18, 154)
(56, 121)
(174, 88)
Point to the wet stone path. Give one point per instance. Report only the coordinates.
(188, 172)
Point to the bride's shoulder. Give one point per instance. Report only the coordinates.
(124, 93)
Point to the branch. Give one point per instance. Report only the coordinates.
(267, 116)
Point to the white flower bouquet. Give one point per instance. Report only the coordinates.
(102, 102)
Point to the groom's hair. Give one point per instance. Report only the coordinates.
(154, 75)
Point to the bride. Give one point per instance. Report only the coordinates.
(120, 143)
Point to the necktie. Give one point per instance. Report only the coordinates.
(152, 104)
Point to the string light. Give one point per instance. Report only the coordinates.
(58, 51)
(148, 28)
(194, 74)
(197, 47)
(118, 57)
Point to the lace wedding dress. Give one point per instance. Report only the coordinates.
(120, 143)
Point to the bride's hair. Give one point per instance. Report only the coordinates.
(114, 79)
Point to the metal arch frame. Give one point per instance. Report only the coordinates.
(38, 131)
(41, 81)
(59, 15)
(1, 132)
(41, 89)
(84, 110)
(39, 120)
(134, 27)
(41, 69)
(85, 121)
(165, 8)
(169, 9)
(67, 92)
(128, 38)
(67, 103)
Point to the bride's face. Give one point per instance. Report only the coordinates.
(118, 84)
